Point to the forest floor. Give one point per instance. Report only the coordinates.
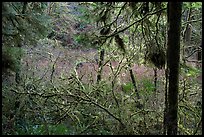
(62, 61)
(53, 63)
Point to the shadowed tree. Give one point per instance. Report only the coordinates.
(173, 53)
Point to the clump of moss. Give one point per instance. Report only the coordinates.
(156, 55)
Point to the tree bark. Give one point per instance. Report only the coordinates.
(199, 56)
(24, 7)
(173, 55)
(133, 81)
(100, 65)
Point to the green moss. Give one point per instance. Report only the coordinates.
(11, 57)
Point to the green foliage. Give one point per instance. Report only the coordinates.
(195, 10)
(148, 85)
(61, 19)
(85, 40)
(190, 71)
(72, 106)
(11, 57)
(48, 129)
(18, 28)
(127, 87)
(85, 16)
(193, 72)
(196, 5)
(81, 39)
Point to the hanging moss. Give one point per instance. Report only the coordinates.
(120, 43)
(155, 55)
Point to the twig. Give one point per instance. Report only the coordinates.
(193, 53)
(198, 126)
(100, 106)
(119, 13)
(191, 21)
(53, 67)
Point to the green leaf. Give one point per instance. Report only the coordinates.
(127, 87)
(148, 85)
(197, 5)
(193, 72)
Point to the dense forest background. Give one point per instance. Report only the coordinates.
(101, 68)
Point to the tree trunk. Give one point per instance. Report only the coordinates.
(187, 33)
(173, 54)
(24, 7)
(133, 81)
(199, 55)
(100, 65)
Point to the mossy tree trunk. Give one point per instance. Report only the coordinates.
(187, 33)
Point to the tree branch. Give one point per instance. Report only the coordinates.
(191, 21)
(117, 32)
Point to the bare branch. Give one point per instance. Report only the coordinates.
(115, 33)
